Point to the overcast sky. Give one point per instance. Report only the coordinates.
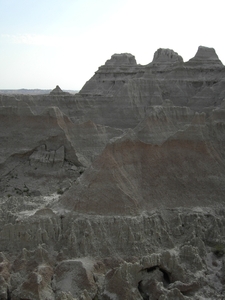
(44, 43)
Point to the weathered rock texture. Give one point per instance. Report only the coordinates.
(117, 192)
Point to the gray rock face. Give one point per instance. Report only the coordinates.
(117, 192)
(165, 58)
(130, 176)
(131, 88)
(166, 55)
(120, 60)
(57, 92)
(206, 57)
(162, 253)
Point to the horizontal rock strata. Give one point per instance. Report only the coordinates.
(116, 192)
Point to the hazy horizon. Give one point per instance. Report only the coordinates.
(37, 91)
(49, 43)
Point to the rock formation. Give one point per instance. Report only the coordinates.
(117, 192)
(206, 57)
(57, 92)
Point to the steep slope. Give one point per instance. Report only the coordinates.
(37, 149)
(131, 176)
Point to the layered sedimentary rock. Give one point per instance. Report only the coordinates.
(206, 58)
(117, 192)
(130, 176)
(46, 147)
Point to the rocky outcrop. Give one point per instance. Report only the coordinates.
(117, 192)
(206, 58)
(164, 59)
(75, 276)
(162, 253)
(121, 60)
(132, 88)
(58, 92)
(45, 147)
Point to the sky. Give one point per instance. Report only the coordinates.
(44, 43)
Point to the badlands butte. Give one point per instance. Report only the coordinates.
(117, 192)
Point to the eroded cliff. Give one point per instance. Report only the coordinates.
(117, 192)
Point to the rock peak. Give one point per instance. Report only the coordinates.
(166, 56)
(206, 55)
(57, 91)
(123, 59)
